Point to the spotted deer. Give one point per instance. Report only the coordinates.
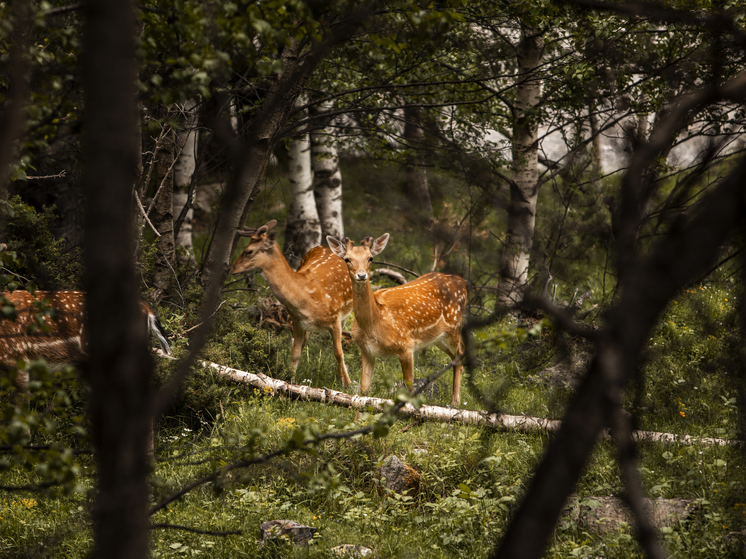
(401, 320)
(50, 325)
(318, 295)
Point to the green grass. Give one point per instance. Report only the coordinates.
(472, 478)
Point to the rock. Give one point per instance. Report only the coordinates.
(735, 543)
(349, 550)
(274, 530)
(606, 514)
(400, 477)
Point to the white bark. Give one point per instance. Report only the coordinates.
(505, 421)
(327, 180)
(303, 228)
(186, 146)
(525, 188)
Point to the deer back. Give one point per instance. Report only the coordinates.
(424, 309)
(48, 324)
(432, 299)
(329, 274)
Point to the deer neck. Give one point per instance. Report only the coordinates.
(282, 279)
(367, 309)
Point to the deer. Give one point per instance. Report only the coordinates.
(318, 295)
(49, 325)
(403, 319)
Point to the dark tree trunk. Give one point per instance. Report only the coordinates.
(119, 367)
(418, 189)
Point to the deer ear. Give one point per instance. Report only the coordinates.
(379, 244)
(270, 224)
(336, 246)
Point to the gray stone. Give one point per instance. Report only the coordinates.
(400, 477)
(349, 550)
(277, 530)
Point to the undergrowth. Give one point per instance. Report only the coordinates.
(471, 478)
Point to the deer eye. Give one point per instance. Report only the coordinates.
(347, 259)
(370, 259)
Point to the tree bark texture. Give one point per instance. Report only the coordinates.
(327, 176)
(303, 228)
(119, 367)
(418, 190)
(186, 163)
(12, 119)
(524, 188)
(162, 215)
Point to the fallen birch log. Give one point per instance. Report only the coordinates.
(493, 420)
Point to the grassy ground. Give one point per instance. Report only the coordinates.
(472, 478)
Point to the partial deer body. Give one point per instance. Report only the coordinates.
(401, 320)
(318, 295)
(50, 325)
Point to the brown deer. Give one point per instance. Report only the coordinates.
(50, 325)
(318, 295)
(401, 320)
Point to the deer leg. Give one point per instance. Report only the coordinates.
(299, 341)
(453, 346)
(407, 369)
(368, 363)
(339, 354)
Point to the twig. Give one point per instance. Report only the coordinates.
(44, 177)
(145, 217)
(391, 274)
(415, 274)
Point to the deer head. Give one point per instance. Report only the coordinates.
(259, 247)
(358, 259)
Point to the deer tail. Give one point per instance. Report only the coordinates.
(155, 328)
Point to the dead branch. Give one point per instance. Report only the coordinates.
(391, 274)
(521, 423)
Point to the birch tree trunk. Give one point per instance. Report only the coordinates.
(303, 228)
(186, 162)
(327, 177)
(524, 188)
(162, 215)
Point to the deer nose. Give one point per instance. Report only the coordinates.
(361, 276)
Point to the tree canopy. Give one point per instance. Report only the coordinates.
(562, 133)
